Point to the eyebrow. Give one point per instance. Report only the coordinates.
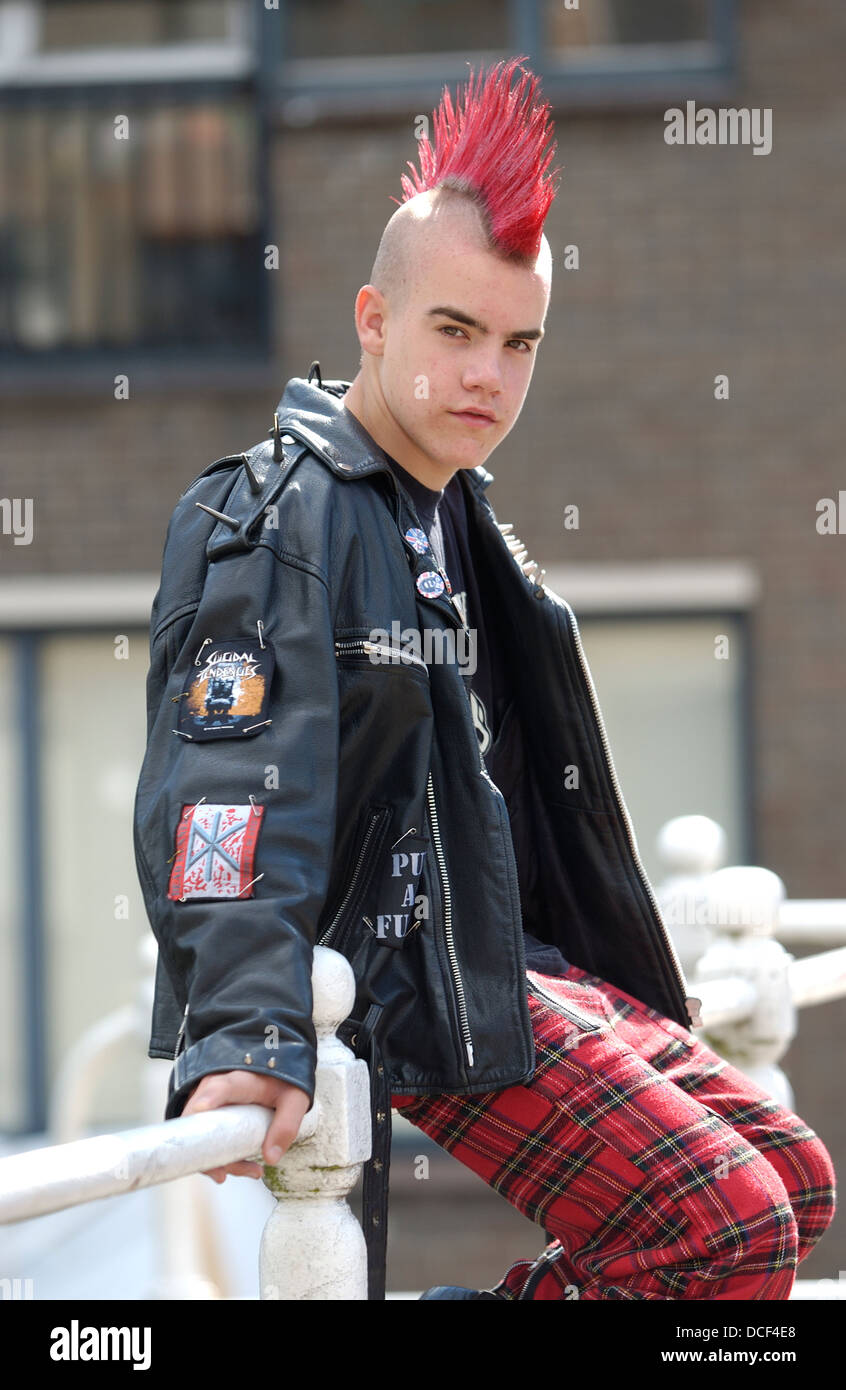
(458, 314)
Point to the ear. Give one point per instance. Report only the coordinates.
(371, 319)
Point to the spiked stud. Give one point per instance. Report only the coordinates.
(506, 526)
(221, 516)
(278, 451)
(255, 485)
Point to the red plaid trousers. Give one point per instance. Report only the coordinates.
(656, 1169)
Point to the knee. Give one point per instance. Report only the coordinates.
(812, 1190)
(751, 1234)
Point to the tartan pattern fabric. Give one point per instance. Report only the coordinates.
(655, 1168)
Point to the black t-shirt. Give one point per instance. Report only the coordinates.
(443, 516)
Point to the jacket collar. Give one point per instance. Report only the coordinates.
(313, 410)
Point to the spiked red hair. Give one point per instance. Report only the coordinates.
(493, 147)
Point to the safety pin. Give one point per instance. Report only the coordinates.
(256, 726)
(182, 734)
(256, 809)
(260, 627)
(192, 809)
(248, 885)
(412, 831)
(183, 696)
(200, 652)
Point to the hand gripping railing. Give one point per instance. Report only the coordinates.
(312, 1246)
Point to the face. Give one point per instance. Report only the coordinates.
(454, 360)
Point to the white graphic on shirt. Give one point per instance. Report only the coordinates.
(460, 601)
(480, 721)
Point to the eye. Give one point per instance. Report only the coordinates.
(523, 343)
(450, 328)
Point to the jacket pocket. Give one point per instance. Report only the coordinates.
(372, 838)
(379, 656)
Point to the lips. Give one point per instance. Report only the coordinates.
(473, 413)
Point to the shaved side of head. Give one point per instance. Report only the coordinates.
(444, 216)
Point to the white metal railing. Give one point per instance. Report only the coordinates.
(725, 922)
(312, 1246)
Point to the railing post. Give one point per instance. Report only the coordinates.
(691, 848)
(313, 1246)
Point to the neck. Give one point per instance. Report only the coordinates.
(368, 406)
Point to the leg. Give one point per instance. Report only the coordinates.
(795, 1151)
(648, 1193)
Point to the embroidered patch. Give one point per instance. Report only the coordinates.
(227, 695)
(215, 848)
(398, 897)
(430, 583)
(417, 539)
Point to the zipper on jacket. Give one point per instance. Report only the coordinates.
(363, 646)
(674, 960)
(591, 1025)
(450, 943)
(327, 936)
(180, 1037)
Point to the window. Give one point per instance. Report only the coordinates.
(95, 23)
(674, 715)
(342, 58)
(667, 645)
(71, 908)
(134, 215)
(600, 22)
(354, 28)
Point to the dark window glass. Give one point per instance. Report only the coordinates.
(625, 22)
(355, 28)
(67, 24)
(149, 241)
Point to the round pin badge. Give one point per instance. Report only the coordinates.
(417, 539)
(430, 584)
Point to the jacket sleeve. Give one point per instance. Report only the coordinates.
(234, 834)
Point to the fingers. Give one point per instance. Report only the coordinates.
(285, 1125)
(234, 1088)
(288, 1102)
(246, 1168)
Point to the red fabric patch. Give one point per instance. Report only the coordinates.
(215, 849)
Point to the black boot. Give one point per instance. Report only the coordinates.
(455, 1291)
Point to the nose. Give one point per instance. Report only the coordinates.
(482, 370)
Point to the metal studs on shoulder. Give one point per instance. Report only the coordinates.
(230, 521)
(252, 479)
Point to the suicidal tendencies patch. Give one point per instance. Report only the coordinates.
(215, 849)
(228, 693)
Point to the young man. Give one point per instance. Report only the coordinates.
(372, 727)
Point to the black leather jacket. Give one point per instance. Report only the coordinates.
(353, 761)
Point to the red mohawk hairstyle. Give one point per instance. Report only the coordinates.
(493, 147)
